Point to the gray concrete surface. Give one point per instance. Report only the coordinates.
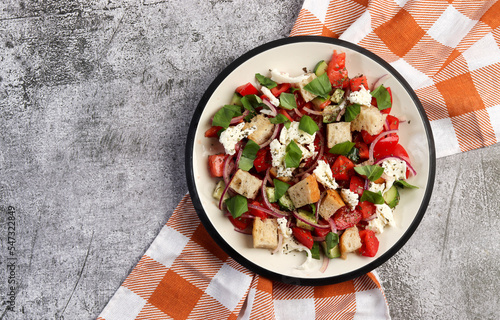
(96, 97)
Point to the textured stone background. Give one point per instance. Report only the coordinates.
(95, 101)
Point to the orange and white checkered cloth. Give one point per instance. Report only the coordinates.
(185, 275)
(447, 50)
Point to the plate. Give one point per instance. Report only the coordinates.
(292, 55)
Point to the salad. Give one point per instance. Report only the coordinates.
(311, 162)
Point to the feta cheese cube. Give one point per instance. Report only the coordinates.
(232, 135)
(351, 198)
(270, 96)
(395, 168)
(294, 133)
(362, 97)
(324, 175)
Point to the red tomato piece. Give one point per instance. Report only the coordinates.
(356, 83)
(368, 138)
(369, 243)
(256, 212)
(342, 168)
(216, 164)
(247, 89)
(367, 209)
(212, 132)
(385, 146)
(240, 223)
(263, 160)
(338, 60)
(283, 112)
(321, 232)
(357, 185)
(393, 122)
(364, 152)
(345, 218)
(280, 88)
(336, 71)
(303, 236)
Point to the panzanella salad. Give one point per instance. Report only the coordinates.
(311, 161)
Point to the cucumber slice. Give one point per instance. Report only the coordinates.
(337, 96)
(315, 251)
(320, 68)
(319, 101)
(307, 216)
(236, 100)
(286, 203)
(330, 113)
(271, 196)
(219, 188)
(391, 197)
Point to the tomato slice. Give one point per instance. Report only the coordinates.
(393, 122)
(357, 185)
(280, 88)
(385, 146)
(336, 71)
(283, 112)
(345, 218)
(342, 168)
(256, 212)
(212, 132)
(321, 232)
(358, 81)
(303, 236)
(263, 160)
(368, 138)
(364, 152)
(367, 209)
(240, 223)
(216, 164)
(369, 243)
(247, 89)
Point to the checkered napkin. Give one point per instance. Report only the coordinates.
(447, 50)
(185, 275)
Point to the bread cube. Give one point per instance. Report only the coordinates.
(338, 132)
(369, 119)
(245, 184)
(264, 129)
(330, 204)
(304, 192)
(306, 95)
(350, 241)
(274, 173)
(265, 233)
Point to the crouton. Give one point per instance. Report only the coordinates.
(264, 129)
(304, 192)
(245, 184)
(330, 204)
(338, 132)
(350, 241)
(306, 95)
(369, 119)
(274, 173)
(265, 233)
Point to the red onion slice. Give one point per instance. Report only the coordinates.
(318, 113)
(298, 112)
(326, 261)
(271, 106)
(380, 81)
(227, 169)
(370, 218)
(268, 177)
(270, 212)
(244, 231)
(238, 119)
(377, 139)
(333, 226)
(277, 129)
(312, 224)
(221, 200)
(318, 239)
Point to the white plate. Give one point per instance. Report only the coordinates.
(292, 55)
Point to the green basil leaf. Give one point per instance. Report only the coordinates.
(320, 86)
(332, 239)
(353, 155)
(265, 81)
(371, 173)
(293, 155)
(280, 119)
(403, 184)
(351, 112)
(293, 89)
(308, 125)
(237, 205)
(373, 197)
(280, 188)
(251, 102)
(248, 155)
(342, 148)
(222, 118)
(287, 101)
(383, 97)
